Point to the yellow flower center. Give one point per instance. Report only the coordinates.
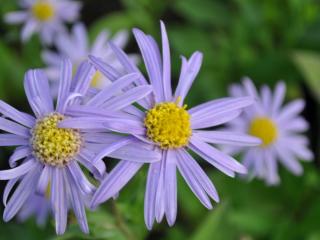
(265, 129)
(168, 125)
(96, 79)
(43, 11)
(52, 145)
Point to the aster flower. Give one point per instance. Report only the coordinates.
(47, 17)
(76, 47)
(279, 127)
(166, 126)
(50, 156)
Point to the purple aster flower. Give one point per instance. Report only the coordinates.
(76, 47)
(44, 16)
(166, 126)
(50, 156)
(279, 128)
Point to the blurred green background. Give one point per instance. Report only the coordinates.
(267, 40)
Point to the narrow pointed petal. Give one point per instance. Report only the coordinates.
(298, 145)
(272, 176)
(80, 179)
(214, 156)
(98, 169)
(160, 193)
(105, 68)
(126, 126)
(249, 87)
(80, 35)
(150, 194)
(131, 96)
(115, 181)
(202, 178)
(171, 187)
(151, 56)
(217, 107)
(38, 92)
(21, 194)
(77, 204)
(288, 160)
(18, 154)
(13, 140)
(223, 137)
(111, 148)
(18, 171)
(136, 153)
(192, 182)
(166, 71)
(188, 75)
(83, 123)
(290, 110)
(44, 180)
(296, 125)
(112, 89)
(16, 17)
(215, 120)
(12, 127)
(7, 190)
(64, 83)
(81, 82)
(131, 67)
(278, 98)
(20, 117)
(59, 200)
(266, 99)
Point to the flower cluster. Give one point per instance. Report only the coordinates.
(106, 107)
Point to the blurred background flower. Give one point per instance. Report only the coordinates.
(267, 40)
(279, 127)
(46, 17)
(76, 47)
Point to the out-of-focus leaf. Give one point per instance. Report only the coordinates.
(113, 22)
(11, 72)
(252, 221)
(309, 65)
(205, 11)
(122, 21)
(209, 227)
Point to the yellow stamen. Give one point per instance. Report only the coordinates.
(52, 145)
(96, 79)
(43, 11)
(48, 191)
(168, 125)
(265, 129)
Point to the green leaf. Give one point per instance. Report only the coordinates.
(205, 12)
(212, 224)
(309, 65)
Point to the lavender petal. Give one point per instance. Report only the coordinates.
(21, 194)
(188, 75)
(171, 187)
(18, 171)
(115, 181)
(224, 137)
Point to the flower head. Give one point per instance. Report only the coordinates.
(168, 127)
(50, 155)
(77, 48)
(44, 16)
(279, 129)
